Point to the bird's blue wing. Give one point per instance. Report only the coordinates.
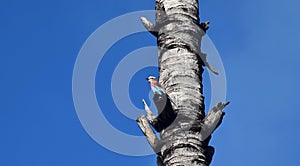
(158, 90)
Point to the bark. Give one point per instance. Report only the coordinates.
(148, 132)
(185, 140)
(179, 37)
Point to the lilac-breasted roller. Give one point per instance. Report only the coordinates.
(157, 88)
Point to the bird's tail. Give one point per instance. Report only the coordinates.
(171, 100)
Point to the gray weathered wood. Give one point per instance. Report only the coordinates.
(212, 120)
(185, 141)
(149, 26)
(203, 58)
(148, 132)
(150, 115)
(179, 38)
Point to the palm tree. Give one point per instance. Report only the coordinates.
(185, 130)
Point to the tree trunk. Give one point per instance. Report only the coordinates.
(180, 72)
(179, 32)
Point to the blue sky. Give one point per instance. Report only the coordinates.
(40, 41)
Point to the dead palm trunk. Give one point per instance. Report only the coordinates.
(184, 141)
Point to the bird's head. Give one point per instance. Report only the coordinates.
(151, 78)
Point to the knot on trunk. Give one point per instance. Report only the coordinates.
(166, 114)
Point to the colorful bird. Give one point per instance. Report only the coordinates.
(157, 88)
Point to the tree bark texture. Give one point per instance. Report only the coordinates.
(179, 38)
(179, 33)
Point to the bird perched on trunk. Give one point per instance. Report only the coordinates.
(157, 88)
